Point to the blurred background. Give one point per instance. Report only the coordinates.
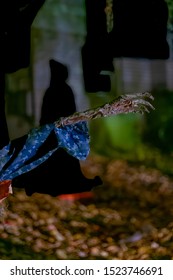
(130, 216)
(59, 32)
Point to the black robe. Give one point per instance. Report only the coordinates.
(61, 173)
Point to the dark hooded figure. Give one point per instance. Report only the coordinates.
(61, 173)
(58, 100)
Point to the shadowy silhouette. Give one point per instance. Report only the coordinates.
(61, 173)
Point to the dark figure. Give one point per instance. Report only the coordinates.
(58, 100)
(61, 173)
(15, 27)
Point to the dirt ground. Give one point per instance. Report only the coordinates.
(129, 217)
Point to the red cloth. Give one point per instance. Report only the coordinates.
(5, 189)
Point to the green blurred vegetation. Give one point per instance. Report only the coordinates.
(146, 139)
(170, 8)
(159, 123)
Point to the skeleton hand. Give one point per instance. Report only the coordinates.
(127, 103)
(136, 102)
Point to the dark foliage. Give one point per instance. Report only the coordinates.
(139, 31)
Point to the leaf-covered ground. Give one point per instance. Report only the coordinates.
(129, 217)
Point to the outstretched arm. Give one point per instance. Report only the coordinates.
(128, 103)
